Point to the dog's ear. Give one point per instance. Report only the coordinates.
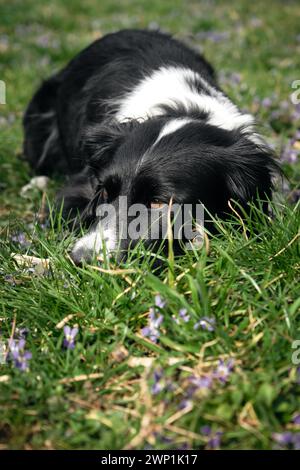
(250, 171)
(99, 142)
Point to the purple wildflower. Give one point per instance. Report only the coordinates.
(160, 383)
(224, 370)
(230, 79)
(151, 331)
(15, 346)
(289, 153)
(214, 438)
(296, 113)
(266, 102)
(69, 340)
(205, 430)
(155, 322)
(200, 383)
(274, 115)
(235, 78)
(214, 36)
(296, 419)
(162, 439)
(207, 323)
(215, 441)
(18, 354)
(298, 375)
(184, 315)
(159, 302)
(297, 133)
(43, 40)
(185, 403)
(287, 439)
(283, 438)
(184, 446)
(20, 239)
(284, 104)
(156, 388)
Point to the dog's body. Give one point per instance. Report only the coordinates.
(140, 115)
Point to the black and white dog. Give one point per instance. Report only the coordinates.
(139, 114)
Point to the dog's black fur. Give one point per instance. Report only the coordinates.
(71, 128)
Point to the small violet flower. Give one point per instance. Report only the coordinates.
(296, 419)
(283, 438)
(182, 316)
(185, 403)
(20, 239)
(214, 36)
(201, 382)
(155, 320)
(207, 323)
(19, 355)
(289, 154)
(214, 439)
(159, 302)
(70, 334)
(298, 375)
(160, 383)
(266, 102)
(224, 370)
(287, 439)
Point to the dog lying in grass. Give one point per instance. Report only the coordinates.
(139, 115)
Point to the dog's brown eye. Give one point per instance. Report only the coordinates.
(156, 204)
(104, 194)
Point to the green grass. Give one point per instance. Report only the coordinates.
(250, 286)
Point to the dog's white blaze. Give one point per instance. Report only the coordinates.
(172, 126)
(171, 85)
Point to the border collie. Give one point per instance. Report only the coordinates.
(140, 115)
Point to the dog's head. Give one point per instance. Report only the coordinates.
(154, 162)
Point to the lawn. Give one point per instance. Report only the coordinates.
(221, 373)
